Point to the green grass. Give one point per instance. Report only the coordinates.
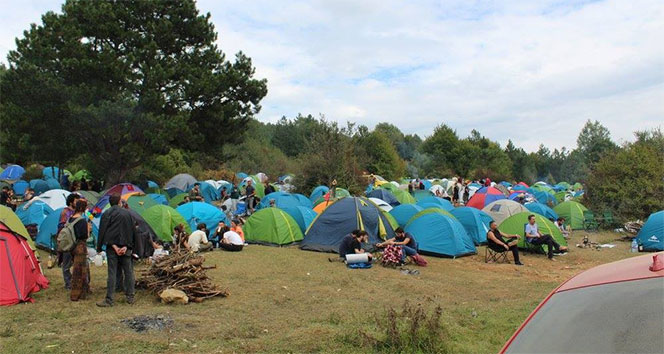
(287, 300)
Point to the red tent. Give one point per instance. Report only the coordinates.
(20, 274)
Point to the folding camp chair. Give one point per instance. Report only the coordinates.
(589, 221)
(607, 220)
(530, 246)
(493, 256)
(241, 209)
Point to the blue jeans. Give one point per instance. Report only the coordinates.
(407, 251)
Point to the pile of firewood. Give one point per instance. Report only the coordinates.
(633, 227)
(181, 270)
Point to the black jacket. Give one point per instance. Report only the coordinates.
(116, 228)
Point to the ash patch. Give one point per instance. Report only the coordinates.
(145, 323)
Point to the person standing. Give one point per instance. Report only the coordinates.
(116, 232)
(268, 188)
(80, 280)
(65, 259)
(250, 193)
(235, 197)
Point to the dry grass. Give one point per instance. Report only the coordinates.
(287, 300)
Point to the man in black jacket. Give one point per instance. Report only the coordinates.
(116, 231)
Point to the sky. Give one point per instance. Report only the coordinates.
(531, 71)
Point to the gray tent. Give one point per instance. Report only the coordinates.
(181, 181)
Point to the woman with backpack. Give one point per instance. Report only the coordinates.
(80, 281)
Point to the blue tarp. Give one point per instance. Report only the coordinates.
(199, 212)
(474, 221)
(404, 212)
(440, 235)
(651, 236)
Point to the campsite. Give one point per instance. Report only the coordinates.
(349, 177)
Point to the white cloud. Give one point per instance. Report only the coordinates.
(530, 71)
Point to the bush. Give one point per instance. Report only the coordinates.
(413, 329)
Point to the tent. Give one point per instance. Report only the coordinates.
(175, 201)
(19, 187)
(9, 218)
(80, 175)
(33, 214)
(163, 219)
(199, 212)
(503, 209)
(272, 226)
(12, 173)
(405, 212)
(208, 192)
(53, 172)
(651, 236)
(342, 217)
(485, 196)
(140, 203)
(439, 234)
(182, 182)
(123, 189)
(419, 194)
(39, 186)
(384, 195)
(284, 200)
(159, 198)
(47, 230)
(53, 183)
(90, 196)
(255, 182)
(20, 273)
(572, 212)
(381, 204)
(543, 210)
(546, 198)
(303, 216)
(435, 202)
(476, 223)
(516, 224)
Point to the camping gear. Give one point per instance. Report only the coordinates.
(272, 226)
(572, 212)
(438, 233)
(342, 217)
(20, 273)
(420, 194)
(199, 212)
(353, 258)
(66, 237)
(12, 173)
(392, 256)
(651, 235)
(475, 222)
(405, 212)
(503, 209)
(159, 198)
(182, 182)
(33, 214)
(485, 196)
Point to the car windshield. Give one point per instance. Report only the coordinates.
(624, 317)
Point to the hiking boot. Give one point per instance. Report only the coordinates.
(130, 300)
(104, 303)
(552, 259)
(518, 263)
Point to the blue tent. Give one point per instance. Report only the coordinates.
(303, 216)
(35, 214)
(318, 192)
(440, 235)
(199, 212)
(208, 192)
(384, 195)
(225, 187)
(475, 221)
(12, 173)
(342, 217)
(53, 183)
(545, 198)
(420, 194)
(50, 172)
(159, 198)
(506, 184)
(39, 186)
(543, 210)
(651, 236)
(47, 230)
(19, 187)
(435, 202)
(241, 175)
(153, 184)
(284, 200)
(404, 212)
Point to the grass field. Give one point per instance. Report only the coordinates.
(287, 300)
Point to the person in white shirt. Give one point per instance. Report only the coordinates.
(537, 238)
(198, 241)
(232, 242)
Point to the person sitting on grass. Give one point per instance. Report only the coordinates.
(198, 241)
(180, 237)
(560, 223)
(404, 240)
(352, 244)
(535, 237)
(231, 241)
(499, 242)
(218, 233)
(235, 227)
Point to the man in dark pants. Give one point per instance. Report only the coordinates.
(500, 242)
(66, 259)
(116, 231)
(534, 236)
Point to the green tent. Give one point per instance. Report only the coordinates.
(577, 186)
(339, 192)
(163, 219)
(429, 211)
(560, 196)
(516, 224)
(80, 175)
(91, 197)
(402, 196)
(542, 188)
(177, 199)
(572, 212)
(272, 226)
(564, 185)
(9, 218)
(140, 203)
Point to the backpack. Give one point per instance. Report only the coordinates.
(67, 236)
(391, 256)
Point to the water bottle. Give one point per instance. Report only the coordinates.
(635, 246)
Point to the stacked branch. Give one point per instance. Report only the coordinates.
(183, 271)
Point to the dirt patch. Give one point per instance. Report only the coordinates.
(145, 323)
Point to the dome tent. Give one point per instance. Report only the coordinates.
(303, 216)
(318, 192)
(476, 222)
(651, 235)
(9, 218)
(384, 195)
(342, 217)
(284, 200)
(199, 212)
(163, 219)
(503, 209)
(405, 212)
(435, 202)
(438, 234)
(485, 196)
(516, 224)
(140, 203)
(543, 210)
(572, 212)
(182, 182)
(272, 226)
